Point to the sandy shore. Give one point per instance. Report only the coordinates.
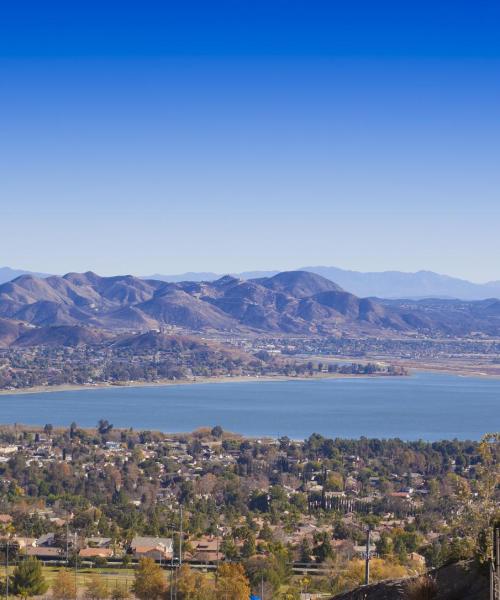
(412, 368)
(199, 380)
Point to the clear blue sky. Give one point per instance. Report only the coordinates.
(231, 135)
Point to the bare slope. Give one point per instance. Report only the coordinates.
(295, 302)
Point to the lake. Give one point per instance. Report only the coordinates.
(426, 406)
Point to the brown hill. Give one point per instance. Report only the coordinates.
(296, 302)
(10, 331)
(63, 335)
(300, 284)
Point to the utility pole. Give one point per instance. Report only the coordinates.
(497, 560)
(495, 566)
(67, 543)
(217, 553)
(7, 570)
(76, 565)
(180, 540)
(367, 560)
(172, 576)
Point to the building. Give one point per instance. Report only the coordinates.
(158, 549)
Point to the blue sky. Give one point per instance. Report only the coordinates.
(170, 136)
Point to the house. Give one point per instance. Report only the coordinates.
(114, 446)
(5, 519)
(404, 495)
(46, 540)
(152, 547)
(99, 542)
(24, 542)
(417, 558)
(206, 550)
(360, 551)
(96, 553)
(44, 553)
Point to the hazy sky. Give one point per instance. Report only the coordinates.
(146, 137)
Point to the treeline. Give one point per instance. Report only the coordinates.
(50, 366)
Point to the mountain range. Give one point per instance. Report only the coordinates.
(87, 307)
(384, 284)
(8, 274)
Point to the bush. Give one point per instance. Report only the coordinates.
(423, 588)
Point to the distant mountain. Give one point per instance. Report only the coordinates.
(85, 308)
(298, 283)
(384, 284)
(209, 276)
(8, 274)
(397, 284)
(189, 276)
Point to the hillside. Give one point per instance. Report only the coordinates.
(294, 302)
(459, 581)
(382, 284)
(8, 274)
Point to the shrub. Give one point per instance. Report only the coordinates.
(423, 588)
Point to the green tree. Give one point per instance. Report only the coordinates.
(305, 551)
(229, 549)
(28, 579)
(248, 548)
(217, 431)
(384, 545)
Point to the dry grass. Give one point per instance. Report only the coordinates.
(423, 588)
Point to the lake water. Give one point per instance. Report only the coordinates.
(425, 406)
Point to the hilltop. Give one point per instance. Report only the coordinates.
(382, 284)
(293, 302)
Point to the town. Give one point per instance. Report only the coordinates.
(154, 357)
(295, 515)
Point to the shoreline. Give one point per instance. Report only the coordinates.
(412, 370)
(198, 381)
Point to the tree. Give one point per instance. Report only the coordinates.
(384, 545)
(229, 549)
(324, 550)
(64, 586)
(217, 431)
(149, 581)
(248, 548)
(232, 583)
(120, 592)
(257, 569)
(192, 585)
(96, 588)
(28, 580)
(104, 426)
(305, 551)
(266, 532)
(290, 593)
(354, 573)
